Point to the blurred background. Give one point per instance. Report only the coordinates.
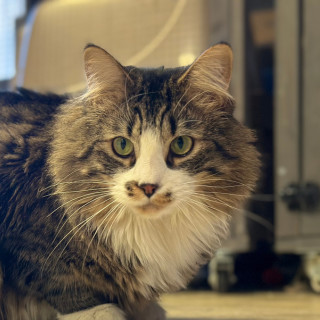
(275, 241)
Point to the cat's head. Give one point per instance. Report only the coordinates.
(153, 142)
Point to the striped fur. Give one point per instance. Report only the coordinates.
(77, 231)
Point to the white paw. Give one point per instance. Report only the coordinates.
(102, 312)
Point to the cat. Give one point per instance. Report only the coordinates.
(110, 198)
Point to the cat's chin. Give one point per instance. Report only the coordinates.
(151, 210)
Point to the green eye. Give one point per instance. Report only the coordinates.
(180, 146)
(122, 147)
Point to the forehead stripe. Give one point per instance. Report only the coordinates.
(173, 125)
(166, 110)
(129, 129)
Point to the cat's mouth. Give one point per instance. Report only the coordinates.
(152, 208)
(149, 208)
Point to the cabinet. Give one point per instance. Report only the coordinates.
(297, 126)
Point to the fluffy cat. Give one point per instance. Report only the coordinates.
(116, 196)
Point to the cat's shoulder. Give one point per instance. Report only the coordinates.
(25, 117)
(23, 110)
(13, 102)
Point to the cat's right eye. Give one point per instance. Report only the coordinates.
(122, 147)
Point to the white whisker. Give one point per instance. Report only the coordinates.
(175, 107)
(107, 216)
(80, 208)
(78, 227)
(74, 199)
(67, 176)
(193, 98)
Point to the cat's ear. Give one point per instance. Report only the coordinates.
(103, 72)
(210, 73)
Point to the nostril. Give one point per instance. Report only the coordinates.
(149, 189)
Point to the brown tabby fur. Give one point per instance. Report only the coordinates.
(53, 151)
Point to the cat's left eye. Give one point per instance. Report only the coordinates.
(122, 147)
(181, 145)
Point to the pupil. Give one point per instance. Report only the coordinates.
(180, 142)
(123, 144)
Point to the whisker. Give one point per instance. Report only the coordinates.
(218, 201)
(73, 213)
(215, 200)
(78, 191)
(78, 198)
(97, 230)
(220, 193)
(142, 94)
(70, 216)
(260, 220)
(218, 177)
(250, 215)
(78, 227)
(208, 208)
(200, 215)
(77, 182)
(196, 96)
(213, 179)
(199, 236)
(60, 181)
(112, 223)
(188, 121)
(217, 187)
(175, 107)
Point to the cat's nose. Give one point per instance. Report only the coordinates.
(149, 189)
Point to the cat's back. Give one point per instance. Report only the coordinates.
(25, 134)
(24, 118)
(25, 107)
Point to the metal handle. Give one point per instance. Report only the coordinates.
(304, 197)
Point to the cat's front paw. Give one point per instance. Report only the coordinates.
(102, 312)
(152, 311)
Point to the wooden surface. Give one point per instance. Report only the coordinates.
(243, 306)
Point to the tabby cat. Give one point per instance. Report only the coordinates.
(120, 194)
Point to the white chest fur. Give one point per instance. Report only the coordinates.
(169, 248)
(171, 244)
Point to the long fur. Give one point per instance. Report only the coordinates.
(79, 235)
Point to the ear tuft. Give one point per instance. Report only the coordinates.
(103, 72)
(211, 70)
(90, 45)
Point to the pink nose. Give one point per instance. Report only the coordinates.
(148, 189)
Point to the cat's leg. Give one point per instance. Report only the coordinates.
(101, 312)
(150, 310)
(16, 306)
